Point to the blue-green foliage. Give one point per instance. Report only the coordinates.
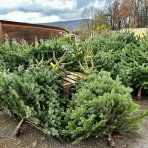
(99, 106)
(122, 54)
(33, 93)
(102, 102)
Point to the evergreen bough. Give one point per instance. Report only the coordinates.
(99, 106)
(33, 94)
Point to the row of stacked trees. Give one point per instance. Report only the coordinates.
(31, 78)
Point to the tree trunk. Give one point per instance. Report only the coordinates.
(111, 140)
(19, 127)
(139, 95)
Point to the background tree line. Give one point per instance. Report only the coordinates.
(116, 15)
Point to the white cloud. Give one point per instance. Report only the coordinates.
(98, 3)
(31, 17)
(41, 11)
(35, 11)
(45, 4)
(59, 4)
(10, 3)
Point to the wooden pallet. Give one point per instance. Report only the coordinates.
(70, 80)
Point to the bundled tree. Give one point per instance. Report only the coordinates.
(100, 106)
(122, 54)
(33, 94)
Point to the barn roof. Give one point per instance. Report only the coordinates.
(30, 24)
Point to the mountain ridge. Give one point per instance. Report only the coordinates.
(72, 25)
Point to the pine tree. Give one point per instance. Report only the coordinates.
(33, 94)
(100, 106)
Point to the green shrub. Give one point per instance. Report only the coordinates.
(99, 106)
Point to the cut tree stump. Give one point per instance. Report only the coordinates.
(111, 140)
(117, 135)
(139, 98)
(19, 127)
(113, 135)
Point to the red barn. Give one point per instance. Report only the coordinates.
(28, 32)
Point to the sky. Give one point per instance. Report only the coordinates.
(43, 11)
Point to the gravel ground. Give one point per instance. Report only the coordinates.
(32, 137)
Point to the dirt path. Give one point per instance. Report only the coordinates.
(31, 137)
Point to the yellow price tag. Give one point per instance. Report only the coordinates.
(88, 57)
(53, 65)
